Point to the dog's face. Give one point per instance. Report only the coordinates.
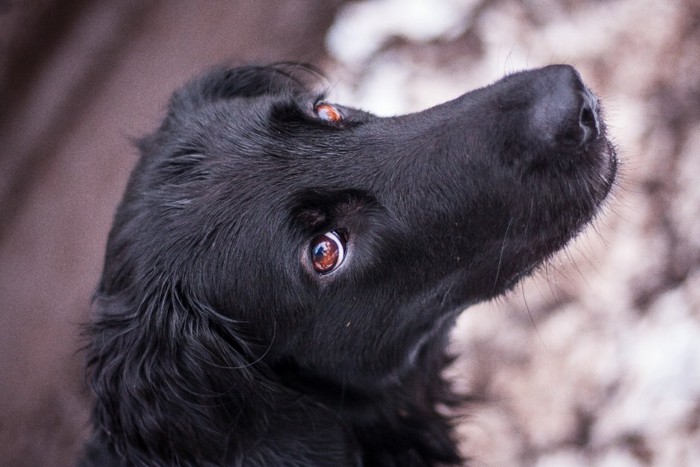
(337, 241)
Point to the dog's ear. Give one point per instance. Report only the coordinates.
(243, 82)
(163, 369)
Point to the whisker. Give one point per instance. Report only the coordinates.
(500, 258)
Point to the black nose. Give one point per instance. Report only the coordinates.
(565, 112)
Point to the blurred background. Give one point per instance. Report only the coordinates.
(595, 361)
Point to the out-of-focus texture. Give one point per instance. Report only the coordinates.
(597, 360)
(594, 362)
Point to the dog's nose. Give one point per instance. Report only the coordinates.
(565, 112)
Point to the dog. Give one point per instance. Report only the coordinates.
(283, 272)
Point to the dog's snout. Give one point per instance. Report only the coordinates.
(565, 111)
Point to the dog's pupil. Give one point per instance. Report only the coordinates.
(324, 253)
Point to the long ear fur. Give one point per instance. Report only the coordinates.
(223, 83)
(171, 377)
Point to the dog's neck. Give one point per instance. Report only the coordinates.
(360, 418)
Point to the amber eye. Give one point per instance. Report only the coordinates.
(328, 113)
(327, 252)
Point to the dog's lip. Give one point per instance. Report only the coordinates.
(609, 171)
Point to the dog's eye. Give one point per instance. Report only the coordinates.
(328, 113)
(327, 252)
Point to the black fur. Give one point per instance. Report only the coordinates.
(214, 342)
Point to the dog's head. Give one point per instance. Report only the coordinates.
(264, 226)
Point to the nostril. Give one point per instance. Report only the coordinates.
(578, 120)
(588, 118)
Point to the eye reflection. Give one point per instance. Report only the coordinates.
(327, 252)
(328, 113)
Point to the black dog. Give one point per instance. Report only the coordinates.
(282, 272)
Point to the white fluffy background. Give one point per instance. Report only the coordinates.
(596, 361)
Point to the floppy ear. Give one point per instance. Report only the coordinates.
(223, 83)
(170, 375)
